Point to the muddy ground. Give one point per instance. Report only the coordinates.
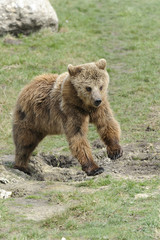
(52, 173)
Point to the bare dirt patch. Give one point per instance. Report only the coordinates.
(139, 160)
(52, 173)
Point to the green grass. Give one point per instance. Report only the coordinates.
(33, 197)
(126, 33)
(112, 212)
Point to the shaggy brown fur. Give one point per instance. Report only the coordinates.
(52, 104)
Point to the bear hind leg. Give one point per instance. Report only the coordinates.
(22, 156)
(25, 143)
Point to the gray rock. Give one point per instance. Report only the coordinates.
(26, 16)
(4, 180)
(4, 194)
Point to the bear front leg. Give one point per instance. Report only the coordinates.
(81, 150)
(109, 130)
(76, 133)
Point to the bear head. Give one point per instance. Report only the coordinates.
(90, 81)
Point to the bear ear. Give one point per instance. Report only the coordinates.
(73, 70)
(101, 64)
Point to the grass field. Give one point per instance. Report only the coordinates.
(108, 209)
(125, 33)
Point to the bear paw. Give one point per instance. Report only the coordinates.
(114, 152)
(23, 169)
(95, 171)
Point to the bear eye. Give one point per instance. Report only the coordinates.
(101, 88)
(88, 89)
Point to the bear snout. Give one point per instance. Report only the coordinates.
(97, 102)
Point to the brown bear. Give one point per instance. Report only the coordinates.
(66, 103)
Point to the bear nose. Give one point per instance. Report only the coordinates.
(97, 102)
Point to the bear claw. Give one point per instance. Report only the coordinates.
(115, 155)
(96, 172)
